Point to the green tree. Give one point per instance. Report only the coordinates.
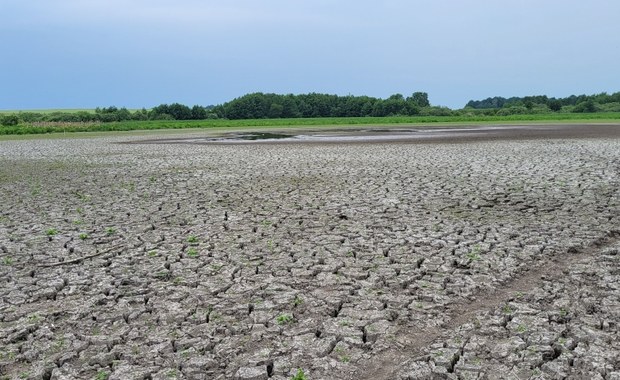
(554, 105)
(419, 99)
(586, 106)
(9, 120)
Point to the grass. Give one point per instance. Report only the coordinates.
(192, 252)
(8, 261)
(283, 319)
(300, 375)
(307, 122)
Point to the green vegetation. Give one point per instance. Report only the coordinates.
(273, 110)
(297, 301)
(192, 252)
(102, 375)
(24, 129)
(602, 102)
(283, 319)
(7, 260)
(300, 375)
(51, 232)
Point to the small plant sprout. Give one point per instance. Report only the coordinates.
(7, 260)
(51, 232)
(192, 252)
(102, 375)
(152, 253)
(297, 301)
(192, 239)
(507, 309)
(83, 236)
(300, 375)
(284, 319)
(474, 254)
(110, 231)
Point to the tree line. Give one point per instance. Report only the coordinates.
(273, 106)
(602, 102)
(266, 105)
(173, 111)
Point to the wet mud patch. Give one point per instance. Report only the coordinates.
(437, 134)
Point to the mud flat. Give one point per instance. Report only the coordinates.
(490, 258)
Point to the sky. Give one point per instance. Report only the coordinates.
(141, 53)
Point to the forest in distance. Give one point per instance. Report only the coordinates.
(314, 105)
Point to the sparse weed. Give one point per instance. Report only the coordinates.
(83, 236)
(473, 256)
(35, 190)
(300, 375)
(7, 260)
(192, 239)
(474, 253)
(110, 231)
(283, 319)
(102, 375)
(216, 267)
(51, 232)
(192, 252)
(297, 301)
(60, 344)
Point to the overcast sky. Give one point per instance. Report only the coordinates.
(140, 53)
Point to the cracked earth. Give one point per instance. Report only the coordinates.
(475, 260)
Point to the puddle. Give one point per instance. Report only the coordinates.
(261, 136)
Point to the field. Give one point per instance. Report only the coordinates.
(308, 122)
(128, 256)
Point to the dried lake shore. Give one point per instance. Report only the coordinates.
(463, 257)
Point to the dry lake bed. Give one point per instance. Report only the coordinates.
(488, 254)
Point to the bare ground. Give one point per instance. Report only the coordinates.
(493, 258)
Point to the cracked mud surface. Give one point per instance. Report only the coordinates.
(487, 259)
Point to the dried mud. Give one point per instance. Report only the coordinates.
(489, 259)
